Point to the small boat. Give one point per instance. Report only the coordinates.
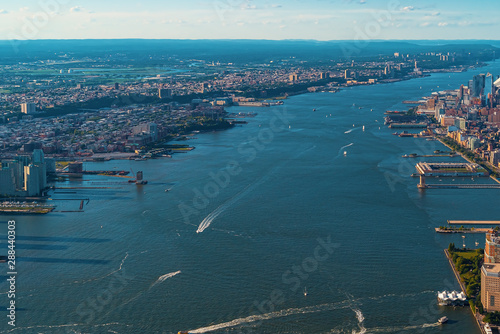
(345, 153)
(314, 109)
(363, 128)
(487, 329)
(443, 320)
(305, 291)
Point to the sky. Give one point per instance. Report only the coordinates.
(250, 19)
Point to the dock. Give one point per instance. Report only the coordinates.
(469, 230)
(460, 186)
(474, 222)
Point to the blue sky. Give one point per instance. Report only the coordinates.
(250, 19)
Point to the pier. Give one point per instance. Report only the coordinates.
(424, 185)
(459, 186)
(474, 222)
(469, 230)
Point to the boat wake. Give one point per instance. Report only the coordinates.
(361, 320)
(351, 130)
(398, 329)
(107, 275)
(226, 205)
(344, 147)
(272, 315)
(165, 277)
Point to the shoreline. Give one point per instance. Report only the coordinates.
(480, 324)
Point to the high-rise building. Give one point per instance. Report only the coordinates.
(476, 85)
(7, 181)
(164, 93)
(489, 90)
(490, 287)
(32, 182)
(494, 160)
(492, 248)
(28, 108)
(150, 129)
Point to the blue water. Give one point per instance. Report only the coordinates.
(133, 262)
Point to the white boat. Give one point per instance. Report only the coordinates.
(305, 291)
(487, 329)
(443, 320)
(345, 153)
(363, 128)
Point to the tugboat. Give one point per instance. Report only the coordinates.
(443, 320)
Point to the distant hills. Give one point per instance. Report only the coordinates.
(231, 50)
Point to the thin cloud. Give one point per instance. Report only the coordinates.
(408, 9)
(3, 11)
(76, 9)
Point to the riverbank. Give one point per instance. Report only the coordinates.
(475, 313)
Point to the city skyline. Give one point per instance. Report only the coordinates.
(247, 19)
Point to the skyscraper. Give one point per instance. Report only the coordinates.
(477, 85)
(28, 108)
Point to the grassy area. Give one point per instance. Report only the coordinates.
(468, 254)
(468, 263)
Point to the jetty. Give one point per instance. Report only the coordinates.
(464, 230)
(474, 222)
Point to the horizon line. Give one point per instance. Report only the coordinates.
(240, 39)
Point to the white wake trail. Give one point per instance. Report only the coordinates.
(164, 277)
(107, 275)
(271, 315)
(226, 205)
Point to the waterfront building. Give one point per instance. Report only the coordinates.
(495, 157)
(32, 183)
(492, 248)
(28, 108)
(7, 181)
(453, 298)
(147, 129)
(490, 286)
